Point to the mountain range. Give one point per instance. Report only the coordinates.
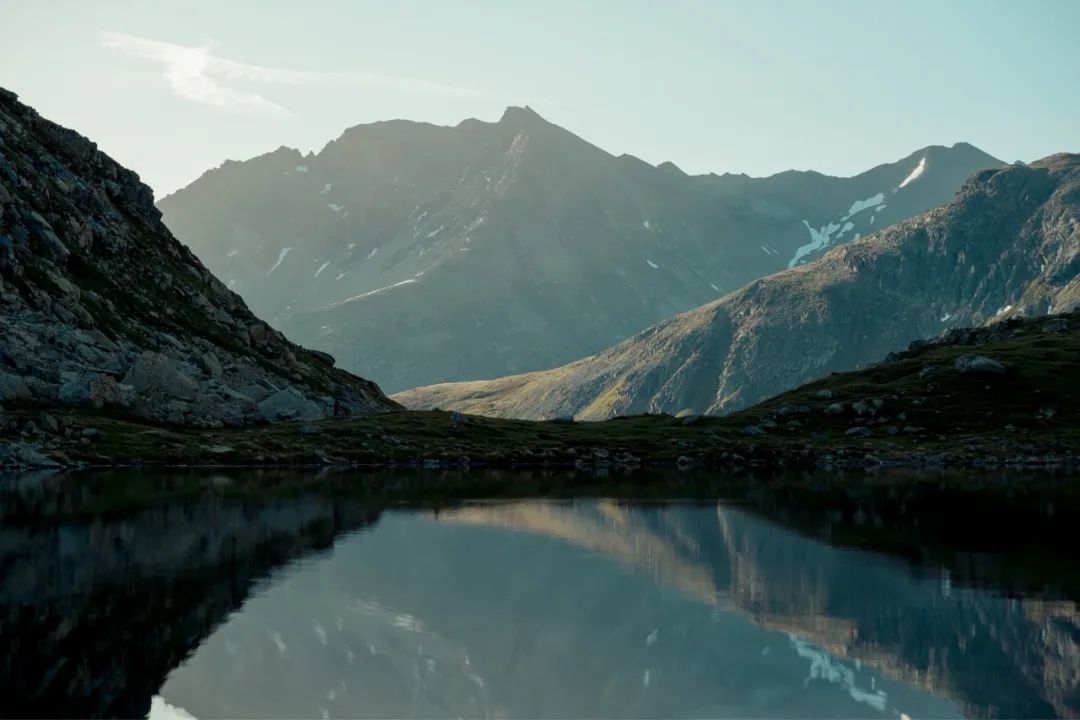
(1008, 244)
(101, 307)
(418, 254)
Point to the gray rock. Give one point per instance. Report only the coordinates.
(95, 390)
(753, 430)
(869, 406)
(49, 423)
(105, 391)
(211, 364)
(859, 431)
(1055, 326)
(325, 357)
(979, 364)
(13, 387)
(835, 408)
(288, 405)
(154, 372)
(824, 394)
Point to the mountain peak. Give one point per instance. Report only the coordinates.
(517, 115)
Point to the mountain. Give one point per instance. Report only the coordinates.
(418, 254)
(1008, 244)
(100, 306)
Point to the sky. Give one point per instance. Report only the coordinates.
(172, 88)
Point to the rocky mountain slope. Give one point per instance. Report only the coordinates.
(1008, 244)
(418, 254)
(100, 306)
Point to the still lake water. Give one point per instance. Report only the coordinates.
(305, 603)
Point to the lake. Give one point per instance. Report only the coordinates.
(298, 595)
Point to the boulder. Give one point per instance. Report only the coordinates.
(105, 390)
(979, 364)
(211, 364)
(835, 408)
(290, 405)
(154, 372)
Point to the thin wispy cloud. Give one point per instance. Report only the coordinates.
(196, 74)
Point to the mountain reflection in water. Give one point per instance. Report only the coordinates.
(306, 604)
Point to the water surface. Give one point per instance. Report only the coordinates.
(312, 604)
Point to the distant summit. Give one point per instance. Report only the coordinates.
(416, 253)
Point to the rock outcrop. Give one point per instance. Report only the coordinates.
(101, 307)
(1007, 245)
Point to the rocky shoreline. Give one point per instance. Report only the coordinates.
(444, 441)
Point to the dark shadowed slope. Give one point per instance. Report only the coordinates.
(101, 306)
(418, 254)
(1008, 244)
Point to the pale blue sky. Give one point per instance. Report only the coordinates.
(754, 87)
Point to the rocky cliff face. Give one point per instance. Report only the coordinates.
(419, 254)
(1009, 244)
(100, 306)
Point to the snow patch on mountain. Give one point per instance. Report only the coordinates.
(859, 205)
(653, 265)
(321, 268)
(280, 259)
(370, 293)
(819, 240)
(915, 173)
